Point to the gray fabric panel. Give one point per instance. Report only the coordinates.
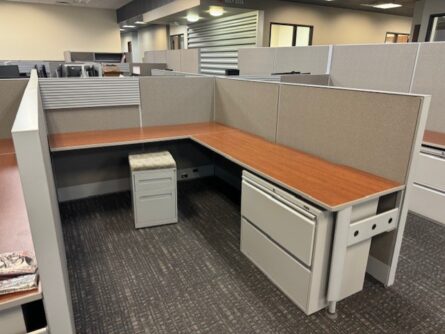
(373, 132)
(176, 100)
(305, 59)
(387, 67)
(429, 79)
(174, 59)
(307, 79)
(89, 119)
(190, 60)
(256, 61)
(11, 92)
(247, 105)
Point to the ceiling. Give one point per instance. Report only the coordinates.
(108, 4)
(407, 8)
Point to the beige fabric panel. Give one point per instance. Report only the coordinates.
(145, 69)
(155, 57)
(89, 119)
(247, 105)
(256, 61)
(307, 79)
(305, 59)
(11, 92)
(429, 79)
(176, 100)
(370, 131)
(190, 60)
(174, 60)
(387, 67)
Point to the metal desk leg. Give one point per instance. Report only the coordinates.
(338, 257)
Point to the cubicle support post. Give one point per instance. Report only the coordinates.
(338, 257)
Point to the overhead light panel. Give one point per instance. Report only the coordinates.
(216, 10)
(193, 18)
(139, 22)
(128, 26)
(386, 5)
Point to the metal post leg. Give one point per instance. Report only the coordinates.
(338, 258)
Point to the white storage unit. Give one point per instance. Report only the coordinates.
(289, 240)
(428, 195)
(154, 191)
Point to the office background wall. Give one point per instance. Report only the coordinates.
(36, 31)
(151, 38)
(334, 25)
(422, 12)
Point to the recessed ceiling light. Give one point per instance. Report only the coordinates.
(139, 22)
(216, 10)
(122, 29)
(388, 5)
(128, 26)
(193, 18)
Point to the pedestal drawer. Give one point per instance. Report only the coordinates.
(431, 171)
(290, 229)
(290, 276)
(154, 181)
(155, 209)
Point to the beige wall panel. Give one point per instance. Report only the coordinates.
(387, 67)
(247, 105)
(174, 59)
(89, 119)
(429, 79)
(321, 80)
(176, 100)
(256, 61)
(190, 60)
(46, 31)
(11, 92)
(373, 132)
(311, 59)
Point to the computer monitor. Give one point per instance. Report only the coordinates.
(9, 71)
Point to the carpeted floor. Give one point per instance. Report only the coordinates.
(191, 277)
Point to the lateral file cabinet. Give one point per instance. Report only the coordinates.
(154, 191)
(290, 241)
(428, 193)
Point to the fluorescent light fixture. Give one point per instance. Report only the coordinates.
(216, 10)
(128, 26)
(122, 29)
(193, 18)
(387, 5)
(139, 22)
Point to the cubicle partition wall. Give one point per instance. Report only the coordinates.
(145, 69)
(184, 60)
(265, 61)
(32, 151)
(11, 92)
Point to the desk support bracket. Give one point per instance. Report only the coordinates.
(338, 257)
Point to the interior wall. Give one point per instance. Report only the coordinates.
(422, 13)
(178, 30)
(151, 38)
(36, 31)
(334, 25)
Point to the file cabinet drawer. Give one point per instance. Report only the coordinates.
(285, 272)
(287, 227)
(431, 171)
(155, 209)
(154, 181)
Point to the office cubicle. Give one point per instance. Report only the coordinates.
(184, 60)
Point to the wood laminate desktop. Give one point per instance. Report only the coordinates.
(435, 139)
(329, 185)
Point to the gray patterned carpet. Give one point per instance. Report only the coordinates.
(191, 277)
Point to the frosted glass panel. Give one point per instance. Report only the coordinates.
(303, 36)
(281, 35)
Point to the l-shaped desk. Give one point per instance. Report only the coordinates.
(330, 187)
